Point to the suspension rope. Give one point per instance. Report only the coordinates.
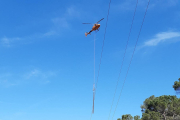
(102, 50)
(131, 58)
(94, 73)
(123, 58)
(94, 55)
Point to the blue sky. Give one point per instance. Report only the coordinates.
(47, 63)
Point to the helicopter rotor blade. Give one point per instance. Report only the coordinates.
(100, 20)
(86, 23)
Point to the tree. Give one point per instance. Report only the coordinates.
(151, 115)
(162, 107)
(127, 117)
(176, 85)
(165, 107)
(136, 117)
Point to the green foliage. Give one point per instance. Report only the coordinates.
(151, 115)
(160, 107)
(136, 117)
(174, 107)
(127, 117)
(176, 85)
(165, 107)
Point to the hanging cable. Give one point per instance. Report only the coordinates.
(123, 59)
(94, 55)
(102, 51)
(94, 73)
(131, 58)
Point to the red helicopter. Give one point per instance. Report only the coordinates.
(94, 28)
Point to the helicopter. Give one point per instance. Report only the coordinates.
(94, 28)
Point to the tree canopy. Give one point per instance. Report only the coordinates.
(165, 107)
(176, 86)
(160, 107)
(126, 117)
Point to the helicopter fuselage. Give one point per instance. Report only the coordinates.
(95, 27)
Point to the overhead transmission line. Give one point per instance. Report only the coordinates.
(101, 52)
(103, 43)
(123, 58)
(131, 58)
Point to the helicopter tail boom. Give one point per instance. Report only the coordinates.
(87, 33)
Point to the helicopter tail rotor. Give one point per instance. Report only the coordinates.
(87, 33)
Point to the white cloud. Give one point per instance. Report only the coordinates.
(9, 41)
(4, 80)
(50, 33)
(5, 41)
(40, 75)
(162, 37)
(35, 76)
(33, 73)
(61, 22)
(130, 4)
(163, 4)
(59, 25)
(6, 83)
(72, 11)
(169, 3)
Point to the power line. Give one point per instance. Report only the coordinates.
(123, 58)
(103, 43)
(102, 50)
(131, 58)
